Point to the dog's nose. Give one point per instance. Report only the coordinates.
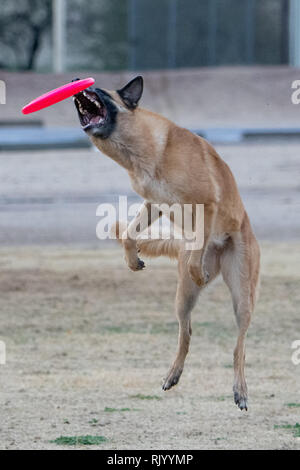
(75, 79)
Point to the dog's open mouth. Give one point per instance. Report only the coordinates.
(91, 110)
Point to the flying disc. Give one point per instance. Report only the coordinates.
(56, 95)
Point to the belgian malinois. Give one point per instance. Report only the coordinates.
(169, 164)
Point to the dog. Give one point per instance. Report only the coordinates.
(168, 164)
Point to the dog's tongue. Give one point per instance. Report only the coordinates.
(95, 120)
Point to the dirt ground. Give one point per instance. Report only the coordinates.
(88, 343)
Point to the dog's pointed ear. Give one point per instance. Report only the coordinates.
(132, 92)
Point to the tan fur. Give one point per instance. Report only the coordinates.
(150, 248)
(169, 164)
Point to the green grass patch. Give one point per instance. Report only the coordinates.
(93, 421)
(294, 427)
(112, 410)
(293, 405)
(218, 397)
(79, 440)
(118, 329)
(140, 396)
(142, 328)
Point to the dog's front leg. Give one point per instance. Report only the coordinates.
(147, 214)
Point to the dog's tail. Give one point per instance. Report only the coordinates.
(151, 248)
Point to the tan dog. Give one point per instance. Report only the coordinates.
(169, 164)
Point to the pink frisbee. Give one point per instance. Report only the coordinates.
(58, 94)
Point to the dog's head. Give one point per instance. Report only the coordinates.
(98, 109)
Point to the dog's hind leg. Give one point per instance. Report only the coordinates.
(240, 270)
(196, 264)
(186, 296)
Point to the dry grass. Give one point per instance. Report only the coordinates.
(84, 335)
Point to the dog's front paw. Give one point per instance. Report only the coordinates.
(199, 278)
(138, 265)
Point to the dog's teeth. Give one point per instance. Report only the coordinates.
(83, 111)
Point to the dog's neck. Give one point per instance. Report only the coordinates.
(138, 143)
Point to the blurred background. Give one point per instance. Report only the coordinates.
(224, 69)
(82, 332)
(138, 34)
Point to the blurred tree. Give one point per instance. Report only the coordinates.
(97, 34)
(22, 26)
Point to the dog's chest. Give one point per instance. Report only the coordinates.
(153, 190)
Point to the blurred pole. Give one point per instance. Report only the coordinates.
(59, 34)
(132, 5)
(294, 35)
(284, 31)
(212, 34)
(250, 31)
(172, 34)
